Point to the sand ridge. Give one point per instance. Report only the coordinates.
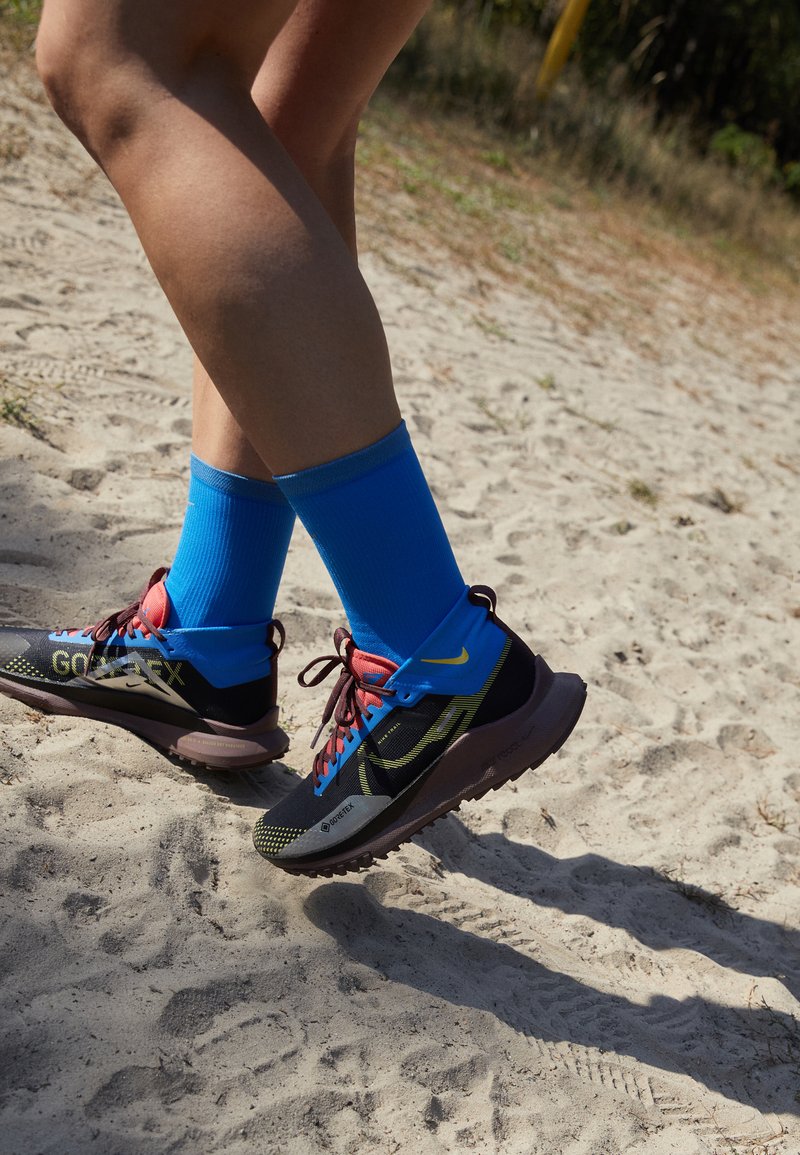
(601, 959)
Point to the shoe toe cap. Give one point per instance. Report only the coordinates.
(272, 840)
(14, 644)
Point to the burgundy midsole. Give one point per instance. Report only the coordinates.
(471, 766)
(220, 745)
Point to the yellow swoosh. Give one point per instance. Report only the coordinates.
(459, 661)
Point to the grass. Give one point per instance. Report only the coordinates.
(14, 411)
(712, 902)
(606, 140)
(772, 817)
(606, 426)
(458, 130)
(603, 258)
(499, 422)
(491, 327)
(641, 491)
(18, 21)
(601, 139)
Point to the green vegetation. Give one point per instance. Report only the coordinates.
(691, 106)
(14, 411)
(18, 20)
(19, 16)
(614, 119)
(641, 491)
(22, 11)
(723, 62)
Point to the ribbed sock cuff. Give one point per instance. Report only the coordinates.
(308, 482)
(235, 484)
(376, 527)
(231, 553)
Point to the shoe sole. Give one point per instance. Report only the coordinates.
(479, 761)
(215, 745)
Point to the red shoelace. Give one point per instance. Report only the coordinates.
(353, 697)
(125, 621)
(134, 617)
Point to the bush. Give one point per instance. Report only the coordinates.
(745, 151)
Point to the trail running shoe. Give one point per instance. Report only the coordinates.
(182, 690)
(407, 744)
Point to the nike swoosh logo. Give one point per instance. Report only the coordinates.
(459, 661)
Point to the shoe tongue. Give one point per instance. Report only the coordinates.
(155, 604)
(371, 667)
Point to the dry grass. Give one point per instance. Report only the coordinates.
(608, 141)
(14, 411)
(434, 186)
(641, 491)
(18, 21)
(530, 209)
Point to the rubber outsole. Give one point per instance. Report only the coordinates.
(216, 746)
(557, 713)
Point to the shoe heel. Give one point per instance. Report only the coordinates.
(220, 753)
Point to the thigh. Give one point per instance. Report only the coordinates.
(164, 36)
(327, 61)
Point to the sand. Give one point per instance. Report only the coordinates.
(602, 959)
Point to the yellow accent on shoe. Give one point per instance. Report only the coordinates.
(459, 661)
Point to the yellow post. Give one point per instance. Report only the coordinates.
(564, 36)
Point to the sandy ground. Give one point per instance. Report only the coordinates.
(602, 959)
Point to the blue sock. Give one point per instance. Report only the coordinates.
(231, 553)
(375, 525)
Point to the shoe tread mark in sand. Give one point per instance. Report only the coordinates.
(667, 1096)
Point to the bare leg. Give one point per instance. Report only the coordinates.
(313, 98)
(256, 271)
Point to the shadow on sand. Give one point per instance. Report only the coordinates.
(750, 1056)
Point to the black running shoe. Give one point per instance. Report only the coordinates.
(410, 743)
(206, 695)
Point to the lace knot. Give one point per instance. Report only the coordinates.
(351, 698)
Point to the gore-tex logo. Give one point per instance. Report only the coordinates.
(325, 826)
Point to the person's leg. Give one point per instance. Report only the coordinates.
(273, 302)
(312, 97)
(266, 287)
(236, 531)
(191, 668)
(312, 91)
(255, 270)
(234, 541)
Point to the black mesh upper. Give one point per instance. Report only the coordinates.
(381, 758)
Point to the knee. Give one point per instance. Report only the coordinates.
(317, 143)
(64, 63)
(319, 130)
(86, 82)
(323, 149)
